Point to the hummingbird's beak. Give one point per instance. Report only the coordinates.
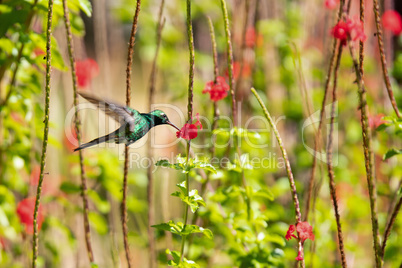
(173, 125)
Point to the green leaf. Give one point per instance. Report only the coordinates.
(191, 229)
(392, 152)
(94, 265)
(170, 227)
(187, 167)
(265, 194)
(102, 205)
(86, 7)
(194, 200)
(98, 223)
(70, 188)
(177, 263)
(181, 230)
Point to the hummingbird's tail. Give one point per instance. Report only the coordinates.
(96, 141)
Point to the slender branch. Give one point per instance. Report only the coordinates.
(387, 81)
(128, 99)
(331, 175)
(192, 59)
(230, 60)
(45, 133)
(216, 110)
(317, 140)
(214, 48)
(243, 45)
(190, 111)
(389, 226)
(368, 156)
(287, 165)
(78, 132)
(151, 99)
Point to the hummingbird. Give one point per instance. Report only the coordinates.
(134, 125)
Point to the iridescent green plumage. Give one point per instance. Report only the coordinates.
(135, 125)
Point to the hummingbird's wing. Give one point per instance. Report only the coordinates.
(121, 114)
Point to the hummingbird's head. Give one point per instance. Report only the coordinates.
(160, 118)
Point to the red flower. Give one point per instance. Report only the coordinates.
(86, 70)
(331, 4)
(353, 29)
(289, 233)
(299, 256)
(391, 20)
(25, 210)
(305, 231)
(190, 131)
(376, 121)
(217, 91)
(251, 37)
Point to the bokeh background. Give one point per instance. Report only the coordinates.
(284, 49)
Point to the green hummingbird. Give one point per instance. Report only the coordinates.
(134, 125)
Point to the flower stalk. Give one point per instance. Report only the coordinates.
(287, 166)
(128, 100)
(77, 123)
(35, 239)
(151, 100)
(190, 112)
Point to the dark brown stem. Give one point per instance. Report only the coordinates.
(368, 156)
(78, 132)
(317, 141)
(45, 133)
(128, 100)
(287, 166)
(389, 226)
(331, 174)
(151, 99)
(387, 81)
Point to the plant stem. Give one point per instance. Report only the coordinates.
(45, 133)
(368, 156)
(317, 140)
(151, 99)
(230, 61)
(78, 132)
(287, 165)
(389, 226)
(190, 112)
(183, 239)
(387, 81)
(331, 175)
(128, 100)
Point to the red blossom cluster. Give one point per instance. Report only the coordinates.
(190, 131)
(304, 231)
(353, 29)
(85, 71)
(25, 210)
(218, 90)
(391, 20)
